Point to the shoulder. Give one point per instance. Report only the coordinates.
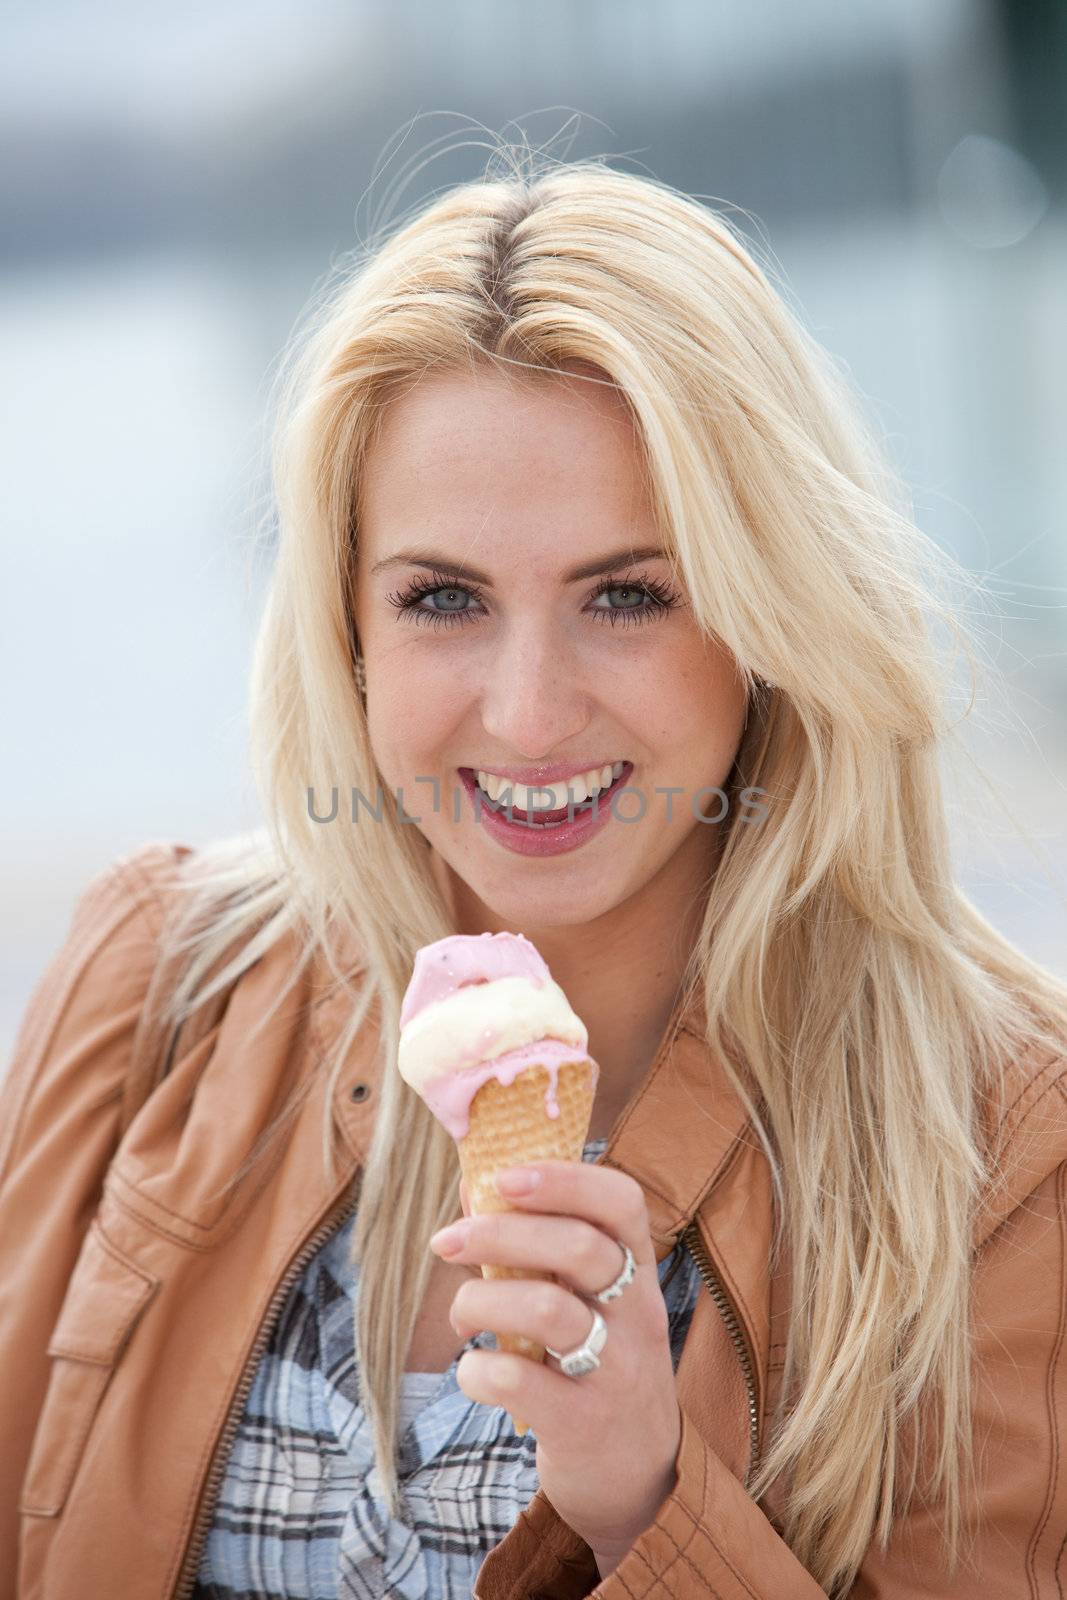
(72, 1046)
(137, 884)
(1027, 1130)
(111, 940)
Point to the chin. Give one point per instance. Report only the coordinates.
(544, 908)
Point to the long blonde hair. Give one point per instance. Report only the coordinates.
(862, 1006)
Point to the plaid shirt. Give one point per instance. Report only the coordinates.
(300, 1513)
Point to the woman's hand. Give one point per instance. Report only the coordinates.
(606, 1442)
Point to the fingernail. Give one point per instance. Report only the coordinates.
(449, 1241)
(517, 1180)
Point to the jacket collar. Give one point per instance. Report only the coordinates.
(689, 1141)
(679, 1131)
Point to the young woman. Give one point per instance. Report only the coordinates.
(569, 502)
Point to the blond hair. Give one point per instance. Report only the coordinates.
(862, 1006)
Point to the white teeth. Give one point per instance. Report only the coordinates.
(550, 797)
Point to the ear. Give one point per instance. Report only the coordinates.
(464, 1198)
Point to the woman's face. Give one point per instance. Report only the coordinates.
(489, 494)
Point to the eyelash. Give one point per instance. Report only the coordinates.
(406, 602)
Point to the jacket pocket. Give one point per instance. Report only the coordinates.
(105, 1298)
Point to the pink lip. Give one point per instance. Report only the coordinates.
(545, 774)
(526, 839)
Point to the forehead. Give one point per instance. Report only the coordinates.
(439, 406)
(488, 457)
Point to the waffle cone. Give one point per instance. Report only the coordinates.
(508, 1127)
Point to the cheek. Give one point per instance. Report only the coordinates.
(707, 714)
(411, 715)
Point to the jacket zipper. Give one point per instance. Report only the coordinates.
(695, 1245)
(341, 1211)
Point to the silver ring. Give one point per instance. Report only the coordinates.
(613, 1290)
(586, 1356)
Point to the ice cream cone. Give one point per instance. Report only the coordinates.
(493, 1046)
(509, 1126)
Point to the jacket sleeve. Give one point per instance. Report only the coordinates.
(60, 1104)
(711, 1541)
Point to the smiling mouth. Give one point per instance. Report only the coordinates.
(550, 819)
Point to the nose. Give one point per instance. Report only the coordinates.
(535, 698)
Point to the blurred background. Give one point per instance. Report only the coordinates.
(174, 182)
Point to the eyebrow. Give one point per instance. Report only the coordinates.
(585, 569)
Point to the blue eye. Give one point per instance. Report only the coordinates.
(660, 598)
(409, 602)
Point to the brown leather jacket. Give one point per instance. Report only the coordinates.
(136, 1301)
